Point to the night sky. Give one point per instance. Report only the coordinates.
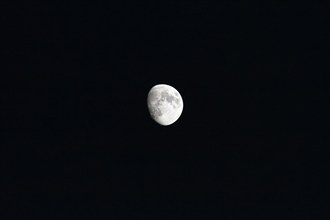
(77, 138)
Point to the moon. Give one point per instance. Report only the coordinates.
(165, 104)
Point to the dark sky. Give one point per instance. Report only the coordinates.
(78, 142)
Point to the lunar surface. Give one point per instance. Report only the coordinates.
(165, 104)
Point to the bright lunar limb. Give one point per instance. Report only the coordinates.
(165, 104)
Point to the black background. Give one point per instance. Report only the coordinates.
(78, 142)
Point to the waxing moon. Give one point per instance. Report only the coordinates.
(165, 104)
